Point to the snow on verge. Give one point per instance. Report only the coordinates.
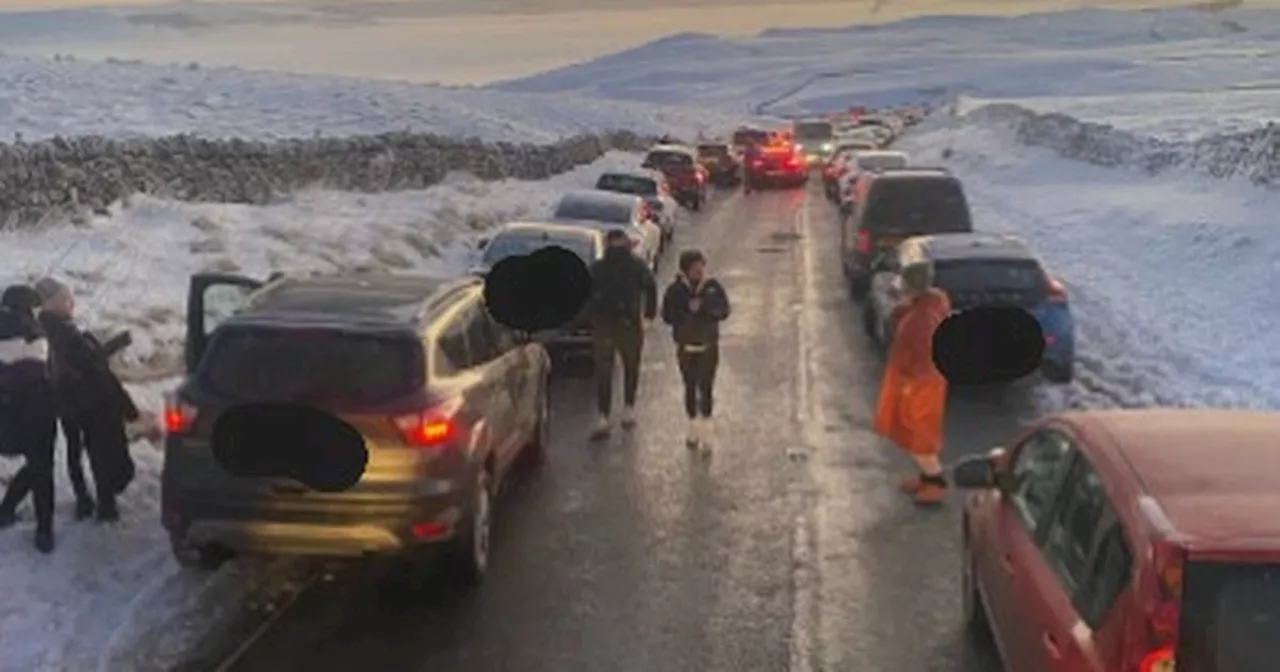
(111, 598)
(1171, 276)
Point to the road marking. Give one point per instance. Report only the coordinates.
(805, 578)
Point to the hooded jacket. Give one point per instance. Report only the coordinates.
(81, 374)
(622, 287)
(24, 354)
(689, 328)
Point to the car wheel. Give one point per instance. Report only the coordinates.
(869, 321)
(1058, 372)
(695, 203)
(201, 558)
(469, 550)
(859, 287)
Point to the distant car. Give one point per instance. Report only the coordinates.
(688, 179)
(521, 238)
(860, 162)
(815, 140)
(748, 136)
(1143, 540)
(777, 165)
(722, 163)
(605, 210)
(894, 205)
(979, 269)
(411, 373)
(652, 186)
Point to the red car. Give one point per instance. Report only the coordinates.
(776, 164)
(687, 177)
(1123, 541)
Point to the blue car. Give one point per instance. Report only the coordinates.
(979, 269)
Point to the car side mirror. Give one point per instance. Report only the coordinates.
(482, 243)
(980, 472)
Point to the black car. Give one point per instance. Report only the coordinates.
(721, 162)
(899, 204)
(408, 376)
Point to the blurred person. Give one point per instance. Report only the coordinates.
(92, 402)
(694, 305)
(751, 155)
(913, 393)
(622, 306)
(28, 413)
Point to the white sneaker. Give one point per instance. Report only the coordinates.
(602, 428)
(629, 417)
(692, 437)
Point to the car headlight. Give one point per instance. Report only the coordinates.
(826, 146)
(799, 146)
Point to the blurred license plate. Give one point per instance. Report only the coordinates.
(891, 241)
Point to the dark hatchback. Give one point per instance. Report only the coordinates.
(899, 204)
(408, 376)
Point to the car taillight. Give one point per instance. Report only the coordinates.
(864, 242)
(1056, 292)
(428, 428)
(1164, 614)
(179, 416)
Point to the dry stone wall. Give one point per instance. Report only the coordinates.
(61, 177)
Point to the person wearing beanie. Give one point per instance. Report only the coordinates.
(92, 403)
(28, 415)
(694, 305)
(913, 393)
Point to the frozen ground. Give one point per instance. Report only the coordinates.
(110, 598)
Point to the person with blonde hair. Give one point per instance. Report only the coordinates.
(913, 393)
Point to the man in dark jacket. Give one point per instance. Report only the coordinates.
(91, 399)
(28, 416)
(623, 303)
(695, 305)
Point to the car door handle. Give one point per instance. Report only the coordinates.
(1051, 648)
(1007, 562)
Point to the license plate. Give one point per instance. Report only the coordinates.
(889, 242)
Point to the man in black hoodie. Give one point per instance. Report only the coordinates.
(28, 415)
(623, 303)
(91, 399)
(695, 305)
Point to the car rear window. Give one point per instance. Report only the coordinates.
(627, 184)
(713, 151)
(574, 208)
(1230, 618)
(916, 207)
(313, 366)
(668, 159)
(882, 162)
(814, 130)
(751, 137)
(510, 245)
(973, 275)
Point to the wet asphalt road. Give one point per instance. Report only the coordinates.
(790, 549)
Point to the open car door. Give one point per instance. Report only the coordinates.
(212, 298)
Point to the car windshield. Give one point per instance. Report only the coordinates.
(881, 162)
(814, 130)
(750, 137)
(668, 159)
(916, 207)
(515, 244)
(596, 211)
(713, 151)
(1230, 618)
(987, 275)
(628, 184)
(312, 366)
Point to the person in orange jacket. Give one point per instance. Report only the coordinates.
(913, 393)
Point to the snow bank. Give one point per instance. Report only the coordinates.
(110, 598)
(41, 98)
(66, 175)
(1251, 155)
(1172, 277)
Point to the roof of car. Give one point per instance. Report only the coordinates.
(548, 229)
(975, 245)
(600, 196)
(1207, 469)
(646, 173)
(671, 147)
(349, 300)
(915, 173)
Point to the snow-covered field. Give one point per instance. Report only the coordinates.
(1171, 276)
(112, 596)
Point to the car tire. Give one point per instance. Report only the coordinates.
(468, 551)
(695, 203)
(859, 287)
(1058, 372)
(869, 325)
(199, 558)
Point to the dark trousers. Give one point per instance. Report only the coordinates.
(74, 433)
(108, 447)
(610, 339)
(39, 436)
(698, 370)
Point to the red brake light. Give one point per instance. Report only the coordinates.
(425, 429)
(864, 241)
(179, 416)
(1160, 660)
(1056, 291)
(1164, 614)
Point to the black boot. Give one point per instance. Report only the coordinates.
(107, 511)
(7, 519)
(84, 507)
(44, 541)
